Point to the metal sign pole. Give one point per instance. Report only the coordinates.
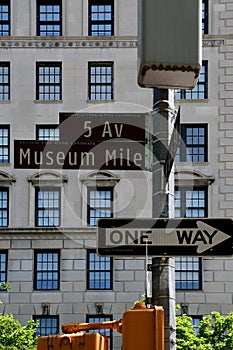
(163, 269)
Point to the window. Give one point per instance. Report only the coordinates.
(48, 81)
(187, 273)
(4, 207)
(101, 18)
(191, 203)
(4, 17)
(47, 325)
(4, 81)
(193, 147)
(47, 268)
(200, 91)
(100, 81)
(3, 267)
(4, 144)
(47, 133)
(204, 16)
(99, 204)
(49, 17)
(196, 323)
(47, 207)
(99, 271)
(105, 332)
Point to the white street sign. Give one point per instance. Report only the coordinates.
(172, 237)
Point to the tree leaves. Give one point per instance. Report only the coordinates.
(215, 333)
(14, 336)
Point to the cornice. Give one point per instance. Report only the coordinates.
(87, 42)
(68, 42)
(213, 40)
(33, 231)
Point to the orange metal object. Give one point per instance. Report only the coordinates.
(77, 327)
(143, 329)
(85, 341)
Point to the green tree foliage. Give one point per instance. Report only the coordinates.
(215, 333)
(186, 337)
(14, 336)
(218, 330)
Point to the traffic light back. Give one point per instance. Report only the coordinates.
(169, 43)
(84, 341)
(143, 328)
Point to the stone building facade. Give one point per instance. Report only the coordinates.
(77, 60)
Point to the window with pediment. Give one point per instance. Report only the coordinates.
(99, 195)
(6, 194)
(47, 188)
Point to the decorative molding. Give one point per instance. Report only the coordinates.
(83, 42)
(100, 179)
(213, 42)
(6, 178)
(46, 178)
(52, 233)
(191, 177)
(69, 43)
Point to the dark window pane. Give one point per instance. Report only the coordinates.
(100, 81)
(49, 81)
(47, 133)
(47, 270)
(49, 17)
(4, 207)
(189, 203)
(5, 18)
(47, 325)
(3, 268)
(99, 271)
(101, 18)
(204, 16)
(99, 204)
(194, 146)
(47, 207)
(4, 144)
(200, 91)
(4, 81)
(188, 273)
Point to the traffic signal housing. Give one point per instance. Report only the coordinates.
(143, 328)
(81, 340)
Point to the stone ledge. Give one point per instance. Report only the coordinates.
(85, 42)
(72, 42)
(213, 42)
